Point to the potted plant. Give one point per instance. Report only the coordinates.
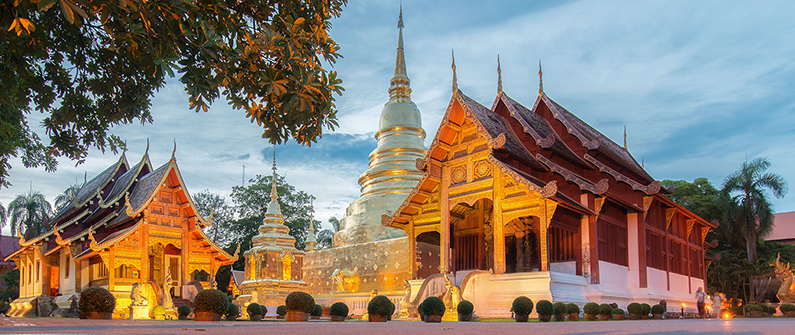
(618, 314)
(433, 308)
(232, 312)
(380, 309)
(183, 311)
(210, 305)
(560, 311)
(96, 303)
(254, 311)
(754, 310)
(420, 312)
(317, 312)
(573, 311)
(338, 311)
(159, 312)
(522, 307)
(771, 310)
(635, 310)
(545, 309)
(645, 310)
(465, 309)
(299, 305)
(281, 311)
(591, 310)
(605, 311)
(788, 310)
(657, 311)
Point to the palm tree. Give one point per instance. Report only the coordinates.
(748, 212)
(2, 216)
(30, 211)
(69, 194)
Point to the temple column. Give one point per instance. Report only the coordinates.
(548, 209)
(633, 249)
(111, 270)
(144, 270)
(412, 249)
(496, 223)
(444, 243)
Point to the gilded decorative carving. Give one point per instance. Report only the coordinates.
(650, 189)
(58, 239)
(544, 142)
(482, 169)
(647, 203)
(584, 185)
(165, 241)
(669, 215)
(497, 142)
(549, 189)
(128, 209)
(592, 144)
(134, 262)
(458, 174)
(93, 244)
(704, 231)
(236, 256)
(424, 229)
(690, 224)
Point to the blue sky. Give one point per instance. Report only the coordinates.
(699, 85)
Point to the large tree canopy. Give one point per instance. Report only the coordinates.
(90, 65)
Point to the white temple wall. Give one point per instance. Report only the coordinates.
(656, 279)
(679, 283)
(564, 267)
(613, 275)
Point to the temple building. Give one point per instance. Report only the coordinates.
(536, 202)
(129, 226)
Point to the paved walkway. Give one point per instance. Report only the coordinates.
(773, 326)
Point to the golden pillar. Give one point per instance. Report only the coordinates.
(412, 249)
(444, 245)
(497, 224)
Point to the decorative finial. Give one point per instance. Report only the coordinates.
(400, 18)
(455, 77)
(499, 76)
(93, 243)
(540, 79)
(236, 256)
(625, 137)
(399, 85)
(127, 207)
(642, 164)
(85, 177)
(146, 153)
(58, 239)
(274, 195)
(174, 152)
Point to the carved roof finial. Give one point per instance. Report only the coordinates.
(455, 78)
(400, 18)
(499, 76)
(625, 137)
(274, 195)
(540, 79)
(146, 153)
(174, 152)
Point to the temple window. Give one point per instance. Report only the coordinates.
(287, 267)
(562, 244)
(126, 271)
(38, 270)
(201, 275)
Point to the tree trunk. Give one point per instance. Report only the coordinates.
(750, 244)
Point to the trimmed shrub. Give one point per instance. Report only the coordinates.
(645, 309)
(96, 299)
(544, 307)
(254, 309)
(618, 311)
(338, 309)
(432, 306)
(300, 302)
(317, 311)
(605, 309)
(232, 311)
(658, 309)
(380, 305)
(213, 301)
(754, 308)
(465, 307)
(591, 308)
(560, 308)
(572, 308)
(183, 310)
(635, 308)
(771, 310)
(281, 310)
(787, 308)
(522, 305)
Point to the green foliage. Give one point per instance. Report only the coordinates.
(605, 309)
(183, 310)
(465, 307)
(787, 308)
(560, 308)
(213, 301)
(572, 308)
(380, 305)
(281, 310)
(96, 299)
(254, 309)
(544, 307)
(29, 212)
(522, 305)
(11, 278)
(635, 308)
(338, 309)
(300, 302)
(317, 311)
(645, 309)
(232, 311)
(754, 308)
(432, 306)
(66, 197)
(771, 310)
(591, 308)
(618, 311)
(699, 197)
(658, 309)
(91, 65)
(222, 215)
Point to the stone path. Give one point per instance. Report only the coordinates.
(773, 326)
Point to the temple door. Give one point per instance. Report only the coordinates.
(173, 263)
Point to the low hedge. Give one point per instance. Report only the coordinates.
(572, 308)
(754, 308)
(183, 310)
(544, 307)
(338, 309)
(465, 307)
(771, 310)
(96, 299)
(591, 308)
(787, 308)
(618, 311)
(522, 305)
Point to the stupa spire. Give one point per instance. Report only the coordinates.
(540, 79)
(455, 77)
(273, 206)
(499, 76)
(399, 88)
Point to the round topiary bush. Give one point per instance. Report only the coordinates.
(281, 310)
(338, 309)
(560, 308)
(432, 306)
(591, 308)
(317, 311)
(254, 309)
(605, 309)
(618, 311)
(381, 305)
(645, 309)
(465, 307)
(232, 311)
(635, 308)
(771, 310)
(787, 308)
(183, 310)
(300, 302)
(96, 299)
(544, 307)
(754, 308)
(212, 301)
(572, 308)
(522, 305)
(658, 309)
